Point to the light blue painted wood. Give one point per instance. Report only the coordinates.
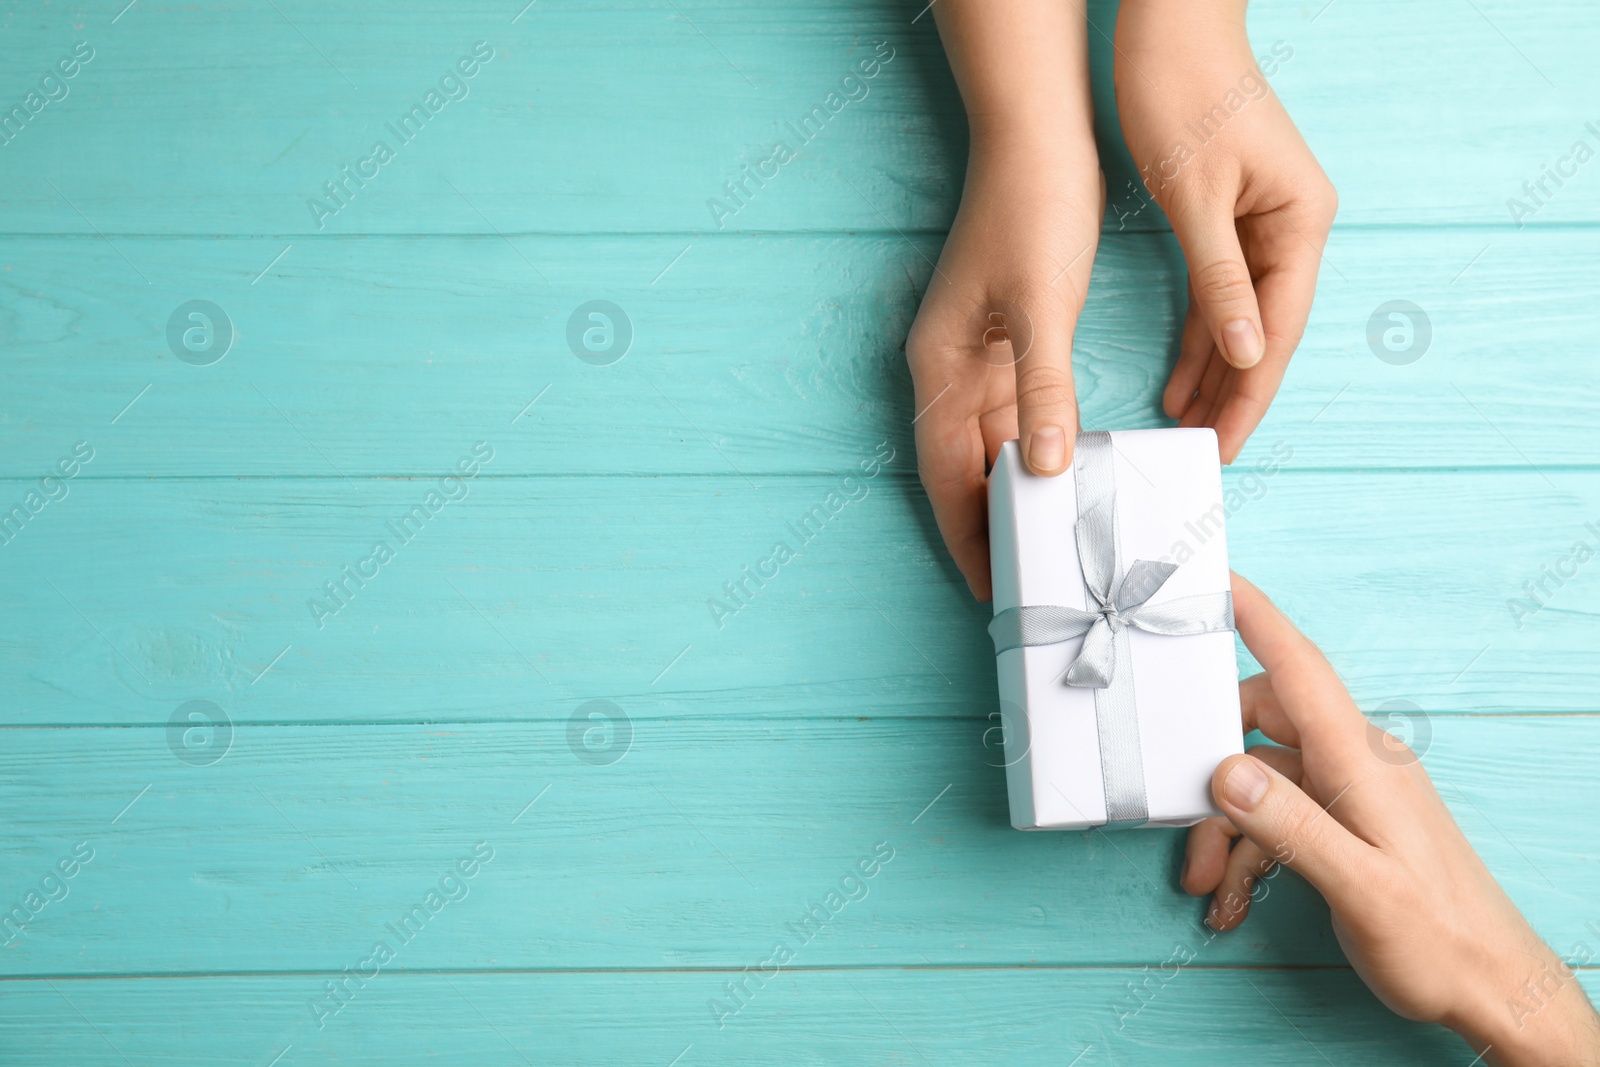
(389, 356)
(368, 755)
(1212, 1018)
(630, 116)
(532, 594)
(695, 849)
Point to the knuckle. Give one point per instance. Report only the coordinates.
(939, 484)
(1281, 340)
(1233, 905)
(1044, 392)
(1388, 748)
(944, 467)
(1306, 832)
(1200, 186)
(1222, 282)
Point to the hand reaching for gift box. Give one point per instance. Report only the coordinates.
(1247, 200)
(1420, 917)
(991, 349)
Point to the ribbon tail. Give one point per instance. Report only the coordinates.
(1097, 662)
(1116, 715)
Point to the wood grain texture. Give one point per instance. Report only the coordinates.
(529, 596)
(295, 850)
(845, 708)
(749, 356)
(1211, 1018)
(630, 117)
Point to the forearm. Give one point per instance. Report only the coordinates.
(1538, 1014)
(1183, 12)
(1166, 42)
(1520, 1004)
(1023, 70)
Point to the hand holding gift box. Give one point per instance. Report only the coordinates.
(1113, 630)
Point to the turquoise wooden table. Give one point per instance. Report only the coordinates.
(383, 677)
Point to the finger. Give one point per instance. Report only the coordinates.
(997, 426)
(1218, 396)
(1244, 406)
(950, 460)
(1293, 829)
(1205, 855)
(1231, 903)
(1210, 388)
(1194, 353)
(1285, 294)
(1201, 402)
(1195, 414)
(1047, 405)
(1261, 710)
(1286, 761)
(1247, 862)
(1219, 275)
(1306, 685)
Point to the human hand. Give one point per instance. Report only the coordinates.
(991, 348)
(1248, 202)
(1350, 808)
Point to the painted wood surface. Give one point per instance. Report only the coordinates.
(529, 595)
(390, 356)
(295, 850)
(916, 1015)
(358, 755)
(629, 117)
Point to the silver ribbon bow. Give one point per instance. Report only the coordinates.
(1122, 599)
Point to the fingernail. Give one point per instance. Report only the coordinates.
(1047, 451)
(1245, 785)
(1244, 345)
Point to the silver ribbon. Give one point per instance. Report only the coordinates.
(1122, 597)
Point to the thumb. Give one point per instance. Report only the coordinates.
(1219, 280)
(1292, 828)
(1047, 403)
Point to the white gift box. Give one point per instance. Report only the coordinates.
(1174, 715)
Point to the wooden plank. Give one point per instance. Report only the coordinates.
(844, 711)
(1209, 1018)
(703, 845)
(530, 596)
(748, 356)
(631, 117)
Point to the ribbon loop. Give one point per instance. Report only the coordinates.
(1143, 580)
(1095, 529)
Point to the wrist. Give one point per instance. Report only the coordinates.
(1180, 32)
(1173, 11)
(1535, 1012)
(1053, 148)
(1023, 70)
(1049, 130)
